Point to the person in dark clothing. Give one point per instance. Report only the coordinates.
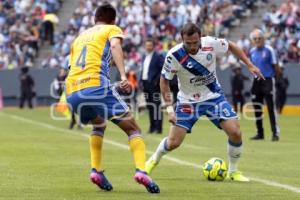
(60, 81)
(237, 87)
(48, 28)
(264, 57)
(282, 84)
(26, 87)
(151, 70)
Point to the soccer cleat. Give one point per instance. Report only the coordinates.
(237, 176)
(142, 178)
(150, 165)
(100, 180)
(257, 137)
(275, 138)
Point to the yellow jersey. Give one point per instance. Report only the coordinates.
(90, 58)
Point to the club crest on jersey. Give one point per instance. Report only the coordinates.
(209, 57)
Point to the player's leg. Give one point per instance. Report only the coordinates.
(186, 116)
(118, 113)
(234, 147)
(88, 114)
(232, 129)
(223, 116)
(96, 142)
(138, 150)
(173, 141)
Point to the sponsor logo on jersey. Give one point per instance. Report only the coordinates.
(203, 80)
(186, 109)
(169, 59)
(207, 49)
(189, 65)
(167, 68)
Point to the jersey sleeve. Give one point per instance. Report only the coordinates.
(220, 45)
(170, 67)
(273, 55)
(115, 32)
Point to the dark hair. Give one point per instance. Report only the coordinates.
(189, 29)
(105, 13)
(149, 39)
(24, 70)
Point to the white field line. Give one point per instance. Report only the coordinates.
(185, 145)
(123, 146)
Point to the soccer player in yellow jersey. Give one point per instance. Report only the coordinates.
(95, 100)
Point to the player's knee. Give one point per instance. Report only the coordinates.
(130, 127)
(99, 131)
(236, 135)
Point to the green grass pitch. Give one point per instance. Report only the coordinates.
(41, 159)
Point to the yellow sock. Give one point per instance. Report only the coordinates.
(138, 150)
(96, 151)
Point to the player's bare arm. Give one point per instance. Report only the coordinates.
(117, 54)
(166, 93)
(239, 53)
(277, 69)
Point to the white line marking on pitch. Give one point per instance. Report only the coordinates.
(123, 146)
(185, 145)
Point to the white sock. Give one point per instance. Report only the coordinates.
(161, 150)
(234, 154)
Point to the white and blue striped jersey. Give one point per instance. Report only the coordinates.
(197, 80)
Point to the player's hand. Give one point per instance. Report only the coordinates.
(256, 73)
(125, 86)
(172, 118)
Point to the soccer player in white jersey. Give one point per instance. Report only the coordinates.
(194, 62)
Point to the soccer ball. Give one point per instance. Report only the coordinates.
(215, 169)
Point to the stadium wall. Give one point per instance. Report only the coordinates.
(291, 71)
(10, 84)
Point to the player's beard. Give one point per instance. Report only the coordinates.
(193, 51)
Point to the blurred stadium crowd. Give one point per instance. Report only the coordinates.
(281, 26)
(23, 26)
(22, 30)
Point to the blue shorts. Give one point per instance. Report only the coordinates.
(215, 109)
(96, 101)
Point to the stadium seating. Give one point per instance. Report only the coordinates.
(282, 30)
(21, 27)
(159, 19)
(21, 30)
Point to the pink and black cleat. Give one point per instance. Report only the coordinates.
(142, 178)
(100, 180)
